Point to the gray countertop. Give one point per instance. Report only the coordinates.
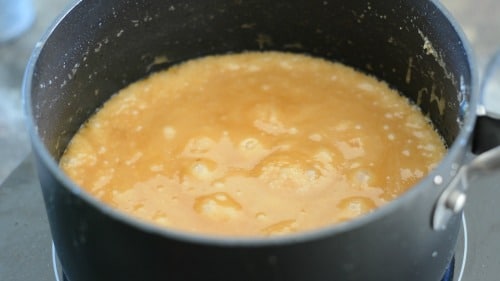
(25, 243)
(25, 240)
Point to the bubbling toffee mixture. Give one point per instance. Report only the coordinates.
(253, 144)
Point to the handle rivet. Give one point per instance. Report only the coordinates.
(438, 180)
(456, 201)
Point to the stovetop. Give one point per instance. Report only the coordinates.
(26, 245)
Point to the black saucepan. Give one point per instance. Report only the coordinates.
(98, 47)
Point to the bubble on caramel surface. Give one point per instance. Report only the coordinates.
(199, 145)
(132, 160)
(252, 144)
(315, 137)
(161, 219)
(351, 149)
(281, 228)
(203, 168)
(355, 206)
(366, 86)
(249, 144)
(362, 176)
(217, 206)
(169, 132)
(261, 216)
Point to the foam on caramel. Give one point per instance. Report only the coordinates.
(257, 143)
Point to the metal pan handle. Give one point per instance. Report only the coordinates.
(487, 131)
(485, 146)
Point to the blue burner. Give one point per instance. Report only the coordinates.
(448, 275)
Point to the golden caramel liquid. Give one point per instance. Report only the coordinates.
(253, 144)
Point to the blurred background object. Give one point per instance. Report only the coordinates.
(15, 18)
(23, 28)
